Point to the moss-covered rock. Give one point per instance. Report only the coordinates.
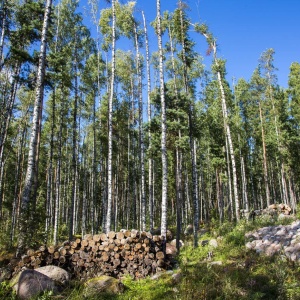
(103, 284)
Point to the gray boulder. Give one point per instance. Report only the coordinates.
(32, 283)
(55, 273)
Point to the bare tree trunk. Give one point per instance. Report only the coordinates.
(266, 176)
(178, 195)
(31, 167)
(231, 151)
(57, 208)
(110, 124)
(229, 180)
(164, 203)
(74, 153)
(150, 160)
(50, 168)
(141, 134)
(219, 191)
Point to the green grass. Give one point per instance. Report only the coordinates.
(237, 273)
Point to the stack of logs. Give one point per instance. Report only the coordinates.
(280, 208)
(115, 254)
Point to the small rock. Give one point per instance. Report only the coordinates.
(213, 243)
(216, 263)
(177, 277)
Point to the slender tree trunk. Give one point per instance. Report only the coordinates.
(50, 168)
(141, 134)
(110, 121)
(74, 153)
(31, 167)
(163, 128)
(178, 195)
(219, 191)
(57, 208)
(266, 176)
(231, 151)
(150, 160)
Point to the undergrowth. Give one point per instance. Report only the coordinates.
(229, 271)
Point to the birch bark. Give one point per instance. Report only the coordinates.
(163, 127)
(110, 121)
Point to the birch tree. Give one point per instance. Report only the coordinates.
(110, 120)
(219, 69)
(164, 200)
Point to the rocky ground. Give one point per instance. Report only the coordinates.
(281, 239)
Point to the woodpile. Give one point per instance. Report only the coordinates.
(135, 253)
(280, 208)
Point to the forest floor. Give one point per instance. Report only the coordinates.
(224, 269)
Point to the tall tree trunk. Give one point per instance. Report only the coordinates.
(229, 180)
(231, 151)
(141, 134)
(74, 152)
(50, 168)
(163, 127)
(31, 167)
(110, 121)
(178, 195)
(266, 176)
(150, 160)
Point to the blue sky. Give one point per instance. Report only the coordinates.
(246, 28)
(243, 28)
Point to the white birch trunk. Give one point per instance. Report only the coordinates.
(150, 189)
(110, 127)
(231, 151)
(141, 134)
(164, 200)
(229, 179)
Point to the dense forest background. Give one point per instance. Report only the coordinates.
(95, 137)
